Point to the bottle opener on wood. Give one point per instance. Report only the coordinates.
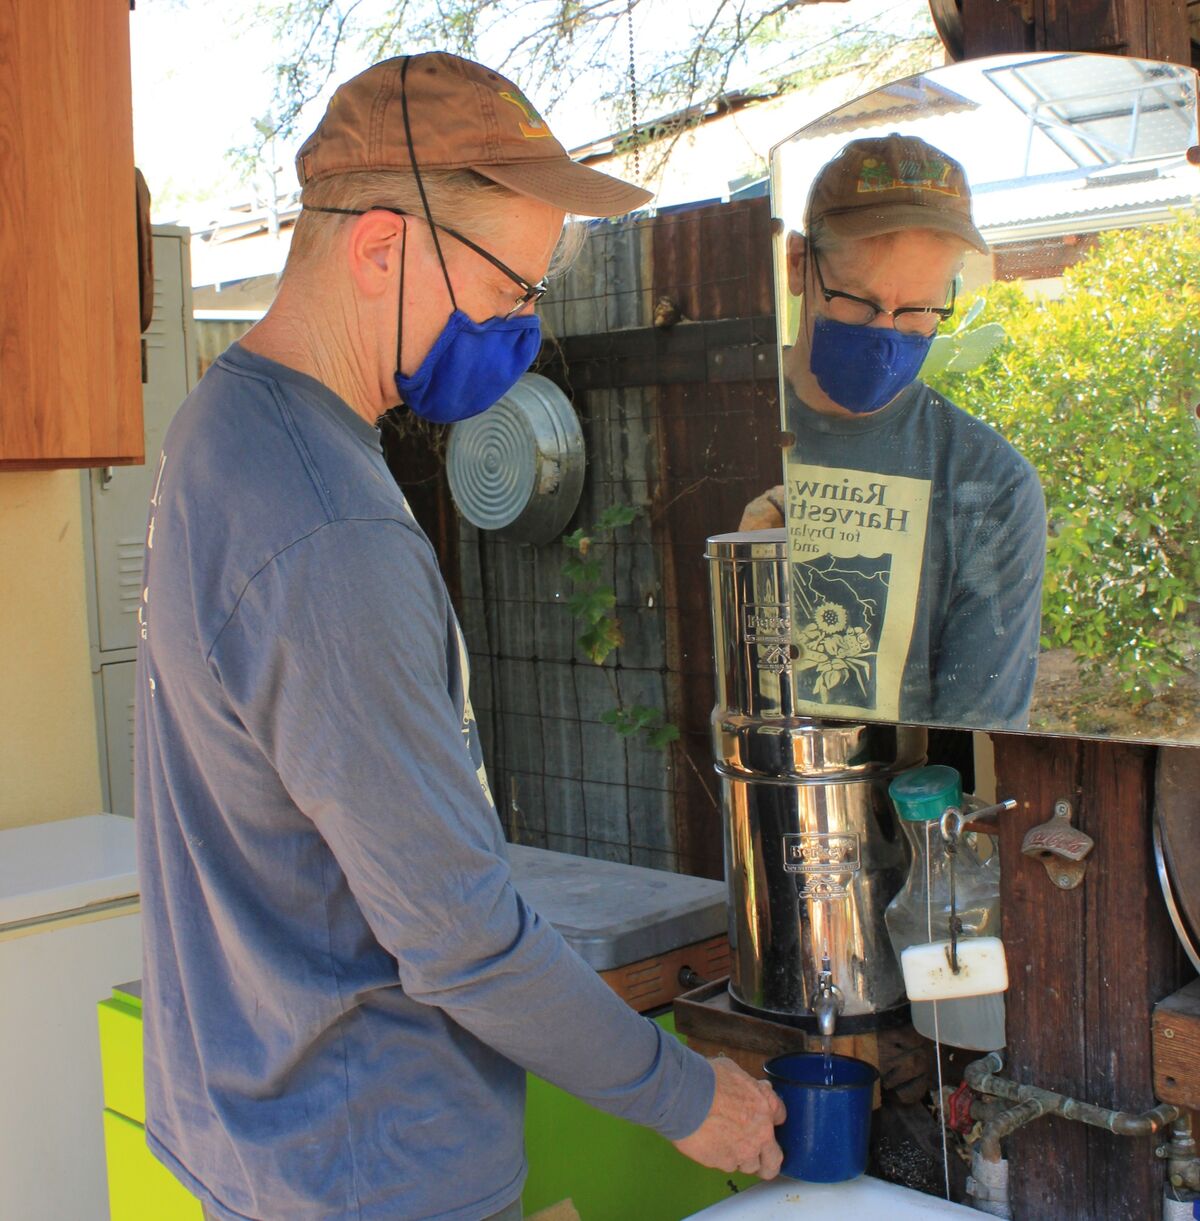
(1060, 846)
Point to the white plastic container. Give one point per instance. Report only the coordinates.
(920, 914)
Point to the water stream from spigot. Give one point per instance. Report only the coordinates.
(827, 1006)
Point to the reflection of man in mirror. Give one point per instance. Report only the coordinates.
(917, 534)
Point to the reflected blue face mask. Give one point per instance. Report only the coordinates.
(864, 367)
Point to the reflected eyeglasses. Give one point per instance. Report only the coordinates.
(858, 311)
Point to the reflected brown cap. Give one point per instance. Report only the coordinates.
(888, 183)
(462, 116)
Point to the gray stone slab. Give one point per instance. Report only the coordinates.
(617, 914)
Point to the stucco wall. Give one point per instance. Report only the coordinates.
(49, 759)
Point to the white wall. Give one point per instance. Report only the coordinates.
(49, 758)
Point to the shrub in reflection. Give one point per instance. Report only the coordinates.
(1099, 388)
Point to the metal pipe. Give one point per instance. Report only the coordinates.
(981, 1076)
(1012, 1118)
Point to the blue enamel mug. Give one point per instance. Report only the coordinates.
(826, 1135)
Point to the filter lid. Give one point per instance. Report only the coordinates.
(748, 545)
(926, 792)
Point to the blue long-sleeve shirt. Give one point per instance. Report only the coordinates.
(342, 989)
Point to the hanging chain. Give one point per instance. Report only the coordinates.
(633, 100)
(952, 821)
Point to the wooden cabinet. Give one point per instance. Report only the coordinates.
(70, 365)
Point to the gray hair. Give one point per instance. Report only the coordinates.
(458, 199)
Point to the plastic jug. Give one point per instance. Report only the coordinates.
(920, 913)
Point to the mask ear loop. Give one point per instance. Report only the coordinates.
(809, 272)
(400, 318)
(412, 156)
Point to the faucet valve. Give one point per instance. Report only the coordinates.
(830, 1001)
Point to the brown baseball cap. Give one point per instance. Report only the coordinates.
(880, 185)
(462, 116)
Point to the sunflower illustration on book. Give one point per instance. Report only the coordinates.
(836, 651)
(838, 606)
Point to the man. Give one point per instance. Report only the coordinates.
(342, 989)
(916, 533)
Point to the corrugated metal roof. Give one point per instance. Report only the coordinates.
(1086, 205)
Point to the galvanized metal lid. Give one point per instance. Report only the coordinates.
(518, 467)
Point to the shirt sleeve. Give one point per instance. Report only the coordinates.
(987, 655)
(338, 660)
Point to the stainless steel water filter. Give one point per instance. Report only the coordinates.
(813, 852)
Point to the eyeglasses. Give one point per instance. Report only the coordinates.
(531, 294)
(858, 311)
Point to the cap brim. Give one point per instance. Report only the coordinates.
(566, 184)
(873, 222)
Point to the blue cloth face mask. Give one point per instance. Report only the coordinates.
(470, 366)
(863, 367)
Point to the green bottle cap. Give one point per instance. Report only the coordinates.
(926, 792)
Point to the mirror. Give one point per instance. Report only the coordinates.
(1009, 541)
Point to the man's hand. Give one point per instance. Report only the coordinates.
(738, 1133)
(764, 512)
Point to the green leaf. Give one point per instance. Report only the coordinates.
(618, 515)
(600, 639)
(591, 604)
(663, 736)
(976, 347)
(976, 309)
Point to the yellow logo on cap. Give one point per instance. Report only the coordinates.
(532, 127)
(932, 175)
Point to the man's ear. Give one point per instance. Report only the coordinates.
(373, 250)
(797, 262)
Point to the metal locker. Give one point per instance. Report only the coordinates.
(116, 504)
